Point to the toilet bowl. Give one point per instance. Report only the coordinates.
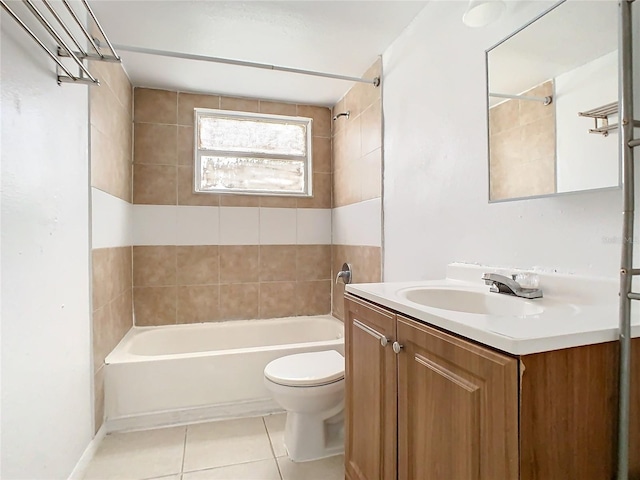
(310, 387)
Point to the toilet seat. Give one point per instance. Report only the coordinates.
(312, 369)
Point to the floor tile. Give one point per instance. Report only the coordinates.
(331, 468)
(223, 443)
(275, 428)
(170, 477)
(138, 455)
(262, 470)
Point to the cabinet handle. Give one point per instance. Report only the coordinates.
(397, 347)
(383, 340)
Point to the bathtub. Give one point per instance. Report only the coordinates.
(168, 375)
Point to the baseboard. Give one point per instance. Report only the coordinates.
(170, 418)
(78, 471)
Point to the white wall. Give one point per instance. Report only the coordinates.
(111, 220)
(199, 225)
(46, 358)
(586, 160)
(358, 224)
(436, 178)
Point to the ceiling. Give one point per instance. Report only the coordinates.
(342, 37)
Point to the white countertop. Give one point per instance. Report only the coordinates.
(577, 311)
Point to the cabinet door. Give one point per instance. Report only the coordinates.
(371, 392)
(457, 408)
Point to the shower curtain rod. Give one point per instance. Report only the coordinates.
(546, 100)
(228, 61)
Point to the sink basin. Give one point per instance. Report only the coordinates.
(468, 301)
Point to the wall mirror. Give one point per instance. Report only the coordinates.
(552, 104)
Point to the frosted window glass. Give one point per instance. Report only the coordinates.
(251, 136)
(258, 174)
(252, 153)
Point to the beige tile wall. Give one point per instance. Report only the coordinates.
(185, 284)
(111, 111)
(522, 147)
(110, 119)
(357, 176)
(357, 143)
(367, 268)
(163, 153)
(112, 311)
(189, 284)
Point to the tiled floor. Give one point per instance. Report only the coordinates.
(244, 449)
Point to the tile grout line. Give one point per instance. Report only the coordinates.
(259, 279)
(184, 451)
(219, 467)
(297, 279)
(175, 276)
(264, 424)
(165, 476)
(221, 246)
(273, 452)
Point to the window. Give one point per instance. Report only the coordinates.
(254, 154)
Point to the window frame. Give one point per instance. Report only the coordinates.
(198, 153)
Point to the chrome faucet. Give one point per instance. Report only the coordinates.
(345, 274)
(502, 284)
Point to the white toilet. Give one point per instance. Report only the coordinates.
(310, 387)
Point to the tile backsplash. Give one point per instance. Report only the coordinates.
(357, 143)
(111, 111)
(366, 264)
(203, 257)
(111, 146)
(164, 155)
(112, 310)
(208, 283)
(357, 183)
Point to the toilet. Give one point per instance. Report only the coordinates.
(310, 387)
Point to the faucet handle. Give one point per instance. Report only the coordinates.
(345, 274)
(527, 279)
(487, 279)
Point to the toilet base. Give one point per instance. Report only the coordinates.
(312, 437)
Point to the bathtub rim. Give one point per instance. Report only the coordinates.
(119, 355)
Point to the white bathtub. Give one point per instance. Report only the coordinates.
(185, 373)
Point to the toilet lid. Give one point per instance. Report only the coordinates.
(306, 369)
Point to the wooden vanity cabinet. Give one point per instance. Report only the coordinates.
(442, 408)
(371, 392)
(445, 408)
(457, 408)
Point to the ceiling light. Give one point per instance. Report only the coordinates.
(481, 13)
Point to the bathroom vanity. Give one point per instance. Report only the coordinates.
(438, 393)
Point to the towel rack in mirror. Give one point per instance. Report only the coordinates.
(603, 113)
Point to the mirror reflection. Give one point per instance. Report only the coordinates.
(552, 98)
